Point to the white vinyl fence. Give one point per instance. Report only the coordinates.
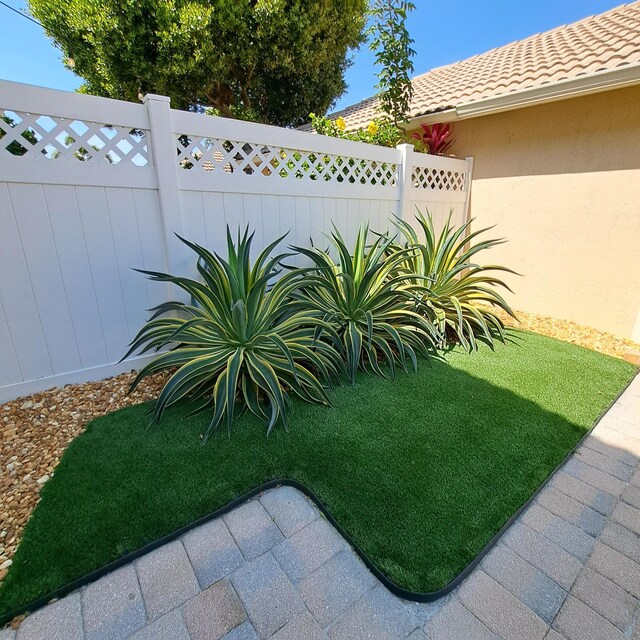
(91, 188)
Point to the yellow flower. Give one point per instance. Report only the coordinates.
(372, 128)
(341, 124)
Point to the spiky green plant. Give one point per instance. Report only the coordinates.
(242, 338)
(460, 293)
(370, 308)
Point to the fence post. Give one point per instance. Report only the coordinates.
(467, 202)
(404, 181)
(163, 153)
(468, 180)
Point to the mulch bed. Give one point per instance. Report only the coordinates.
(572, 332)
(35, 430)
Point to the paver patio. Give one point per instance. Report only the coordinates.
(274, 568)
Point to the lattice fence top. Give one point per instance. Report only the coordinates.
(53, 138)
(251, 159)
(438, 179)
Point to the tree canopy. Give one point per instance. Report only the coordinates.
(267, 60)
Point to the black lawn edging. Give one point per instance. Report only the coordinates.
(416, 596)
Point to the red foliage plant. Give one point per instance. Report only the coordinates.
(434, 139)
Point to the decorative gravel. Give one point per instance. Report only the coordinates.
(35, 430)
(570, 332)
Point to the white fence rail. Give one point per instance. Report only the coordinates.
(91, 188)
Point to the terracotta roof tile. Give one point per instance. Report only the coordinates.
(597, 43)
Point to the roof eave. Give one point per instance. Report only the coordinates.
(596, 82)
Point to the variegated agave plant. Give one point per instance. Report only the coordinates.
(460, 293)
(370, 306)
(242, 338)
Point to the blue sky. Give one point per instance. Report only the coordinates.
(443, 32)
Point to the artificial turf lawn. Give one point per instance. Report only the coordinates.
(421, 471)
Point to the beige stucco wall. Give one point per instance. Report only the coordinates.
(562, 183)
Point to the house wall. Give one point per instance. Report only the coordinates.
(561, 182)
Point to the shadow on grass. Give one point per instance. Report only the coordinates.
(420, 471)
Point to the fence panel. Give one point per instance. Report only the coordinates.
(91, 188)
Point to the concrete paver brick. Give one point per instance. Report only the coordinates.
(61, 620)
(290, 509)
(212, 551)
(617, 567)
(500, 610)
(572, 511)
(334, 587)
(112, 606)
(598, 500)
(455, 622)
(214, 612)
(606, 598)
(267, 594)
(564, 534)
(558, 564)
(532, 587)
(166, 579)
(253, 529)
(308, 549)
(171, 626)
(577, 621)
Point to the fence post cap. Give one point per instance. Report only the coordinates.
(155, 97)
(405, 145)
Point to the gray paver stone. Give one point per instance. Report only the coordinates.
(541, 594)
(212, 551)
(334, 587)
(554, 635)
(594, 477)
(628, 406)
(606, 598)
(618, 568)
(455, 622)
(290, 509)
(171, 626)
(61, 620)
(627, 516)
(618, 420)
(302, 626)
(500, 610)
(577, 621)
(564, 534)
(7, 634)
(543, 554)
(598, 500)
(112, 607)
(244, 632)
(253, 529)
(213, 612)
(631, 495)
(417, 635)
(622, 540)
(378, 615)
(166, 578)
(572, 511)
(634, 387)
(268, 596)
(605, 463)
(614, 444)
(311, 547)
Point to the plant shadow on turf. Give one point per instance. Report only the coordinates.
(420, 471)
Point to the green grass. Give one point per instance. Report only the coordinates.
(421, 471)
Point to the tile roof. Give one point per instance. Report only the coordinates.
(598, 43)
